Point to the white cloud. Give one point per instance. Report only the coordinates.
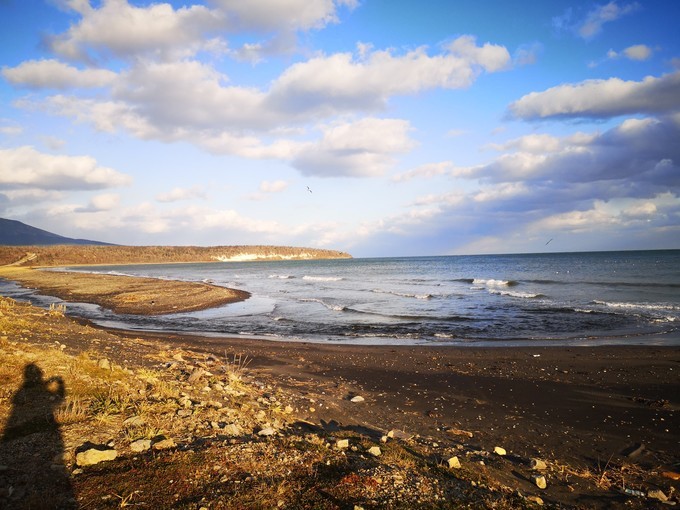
(178, 194)
(602, 98)
(103, 202)
(123, 30)
(268, 15)
(360, 149)
(57, 75)
(342, 82)
(26, 167)
(638, 52)
(597, 17)
(30, 196)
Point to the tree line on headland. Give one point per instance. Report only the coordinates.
(77, 255)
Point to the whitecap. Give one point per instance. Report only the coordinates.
(323, 278)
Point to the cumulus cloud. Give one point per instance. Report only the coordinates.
(360, 149)
(178, 194)
(643, 153)
(99, 203)
(24, 167)
(345, 82)
(597, 17)
(56, 75)
(119, 29)
(602, 98)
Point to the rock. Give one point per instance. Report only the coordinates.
(500, 451)
(539, 481)
(458, 432)
(94, 454)
(341, 444)
(538, 465)
(196, 375)
(267, 431)
(657, 494)
(535, 499)
(375, 451)
(399, 434)
(383, 439)
(104, 364)
(183, 413)
(288, 410)
(141, 445)
(164, 444)
(232, 429)
(357, 399)
(671, 474)
(634, 451)
(454, 463)
(134, 421)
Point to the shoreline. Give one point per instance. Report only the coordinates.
(581, 408)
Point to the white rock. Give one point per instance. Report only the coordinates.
(232, 429)
(539, 481)
(341, 444)
(657, 494)
(500, 451)
(104, 363)
(141, 445)
(399, 434)
(95, 456)
(134, 421)
(454, 463)
(267, 431)
(164, 444)
(357, 399)
(375, 451)
(538, 465)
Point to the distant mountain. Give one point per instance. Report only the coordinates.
(15, 233)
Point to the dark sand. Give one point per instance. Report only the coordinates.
(579, 404)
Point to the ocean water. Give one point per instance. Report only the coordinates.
(564, 298)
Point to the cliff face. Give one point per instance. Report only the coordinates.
(76, 255)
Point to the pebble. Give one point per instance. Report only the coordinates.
(183, 413)
(134, 421)
(358, 398)
(164, 444)
(500, 451)
(454, 463)
(232, 429)
(657, 494)
(341, 444)
(104, 364)
(267, 431)
(538, 465)
(539, 481)
(535, 499)
(375, 451)
(399, 434)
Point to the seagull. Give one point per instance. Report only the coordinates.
(309, 189)
(548, 241)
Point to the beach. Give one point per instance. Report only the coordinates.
(593, 413)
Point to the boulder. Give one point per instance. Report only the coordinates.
(94, 454)
(141, 445)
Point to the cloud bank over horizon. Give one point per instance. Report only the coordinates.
(204, 122)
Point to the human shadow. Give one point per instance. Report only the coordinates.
(33, 474)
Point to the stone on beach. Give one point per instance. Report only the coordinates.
(267, 431)
(375, 451)
(500, 451)
(341, 444)
(399, 434)
(539, 481)
(454, 463)
(357, 399)
(141, 445)
(164, 444)
(538, 465)
(95, 454)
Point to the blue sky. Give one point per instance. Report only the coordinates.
(421, 128)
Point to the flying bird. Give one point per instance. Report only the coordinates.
(309, 189)
(548, 241)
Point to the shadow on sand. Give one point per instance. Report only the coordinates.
(32, 470)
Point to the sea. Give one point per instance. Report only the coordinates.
(598, 298)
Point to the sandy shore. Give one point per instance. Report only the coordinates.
(584, 407)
